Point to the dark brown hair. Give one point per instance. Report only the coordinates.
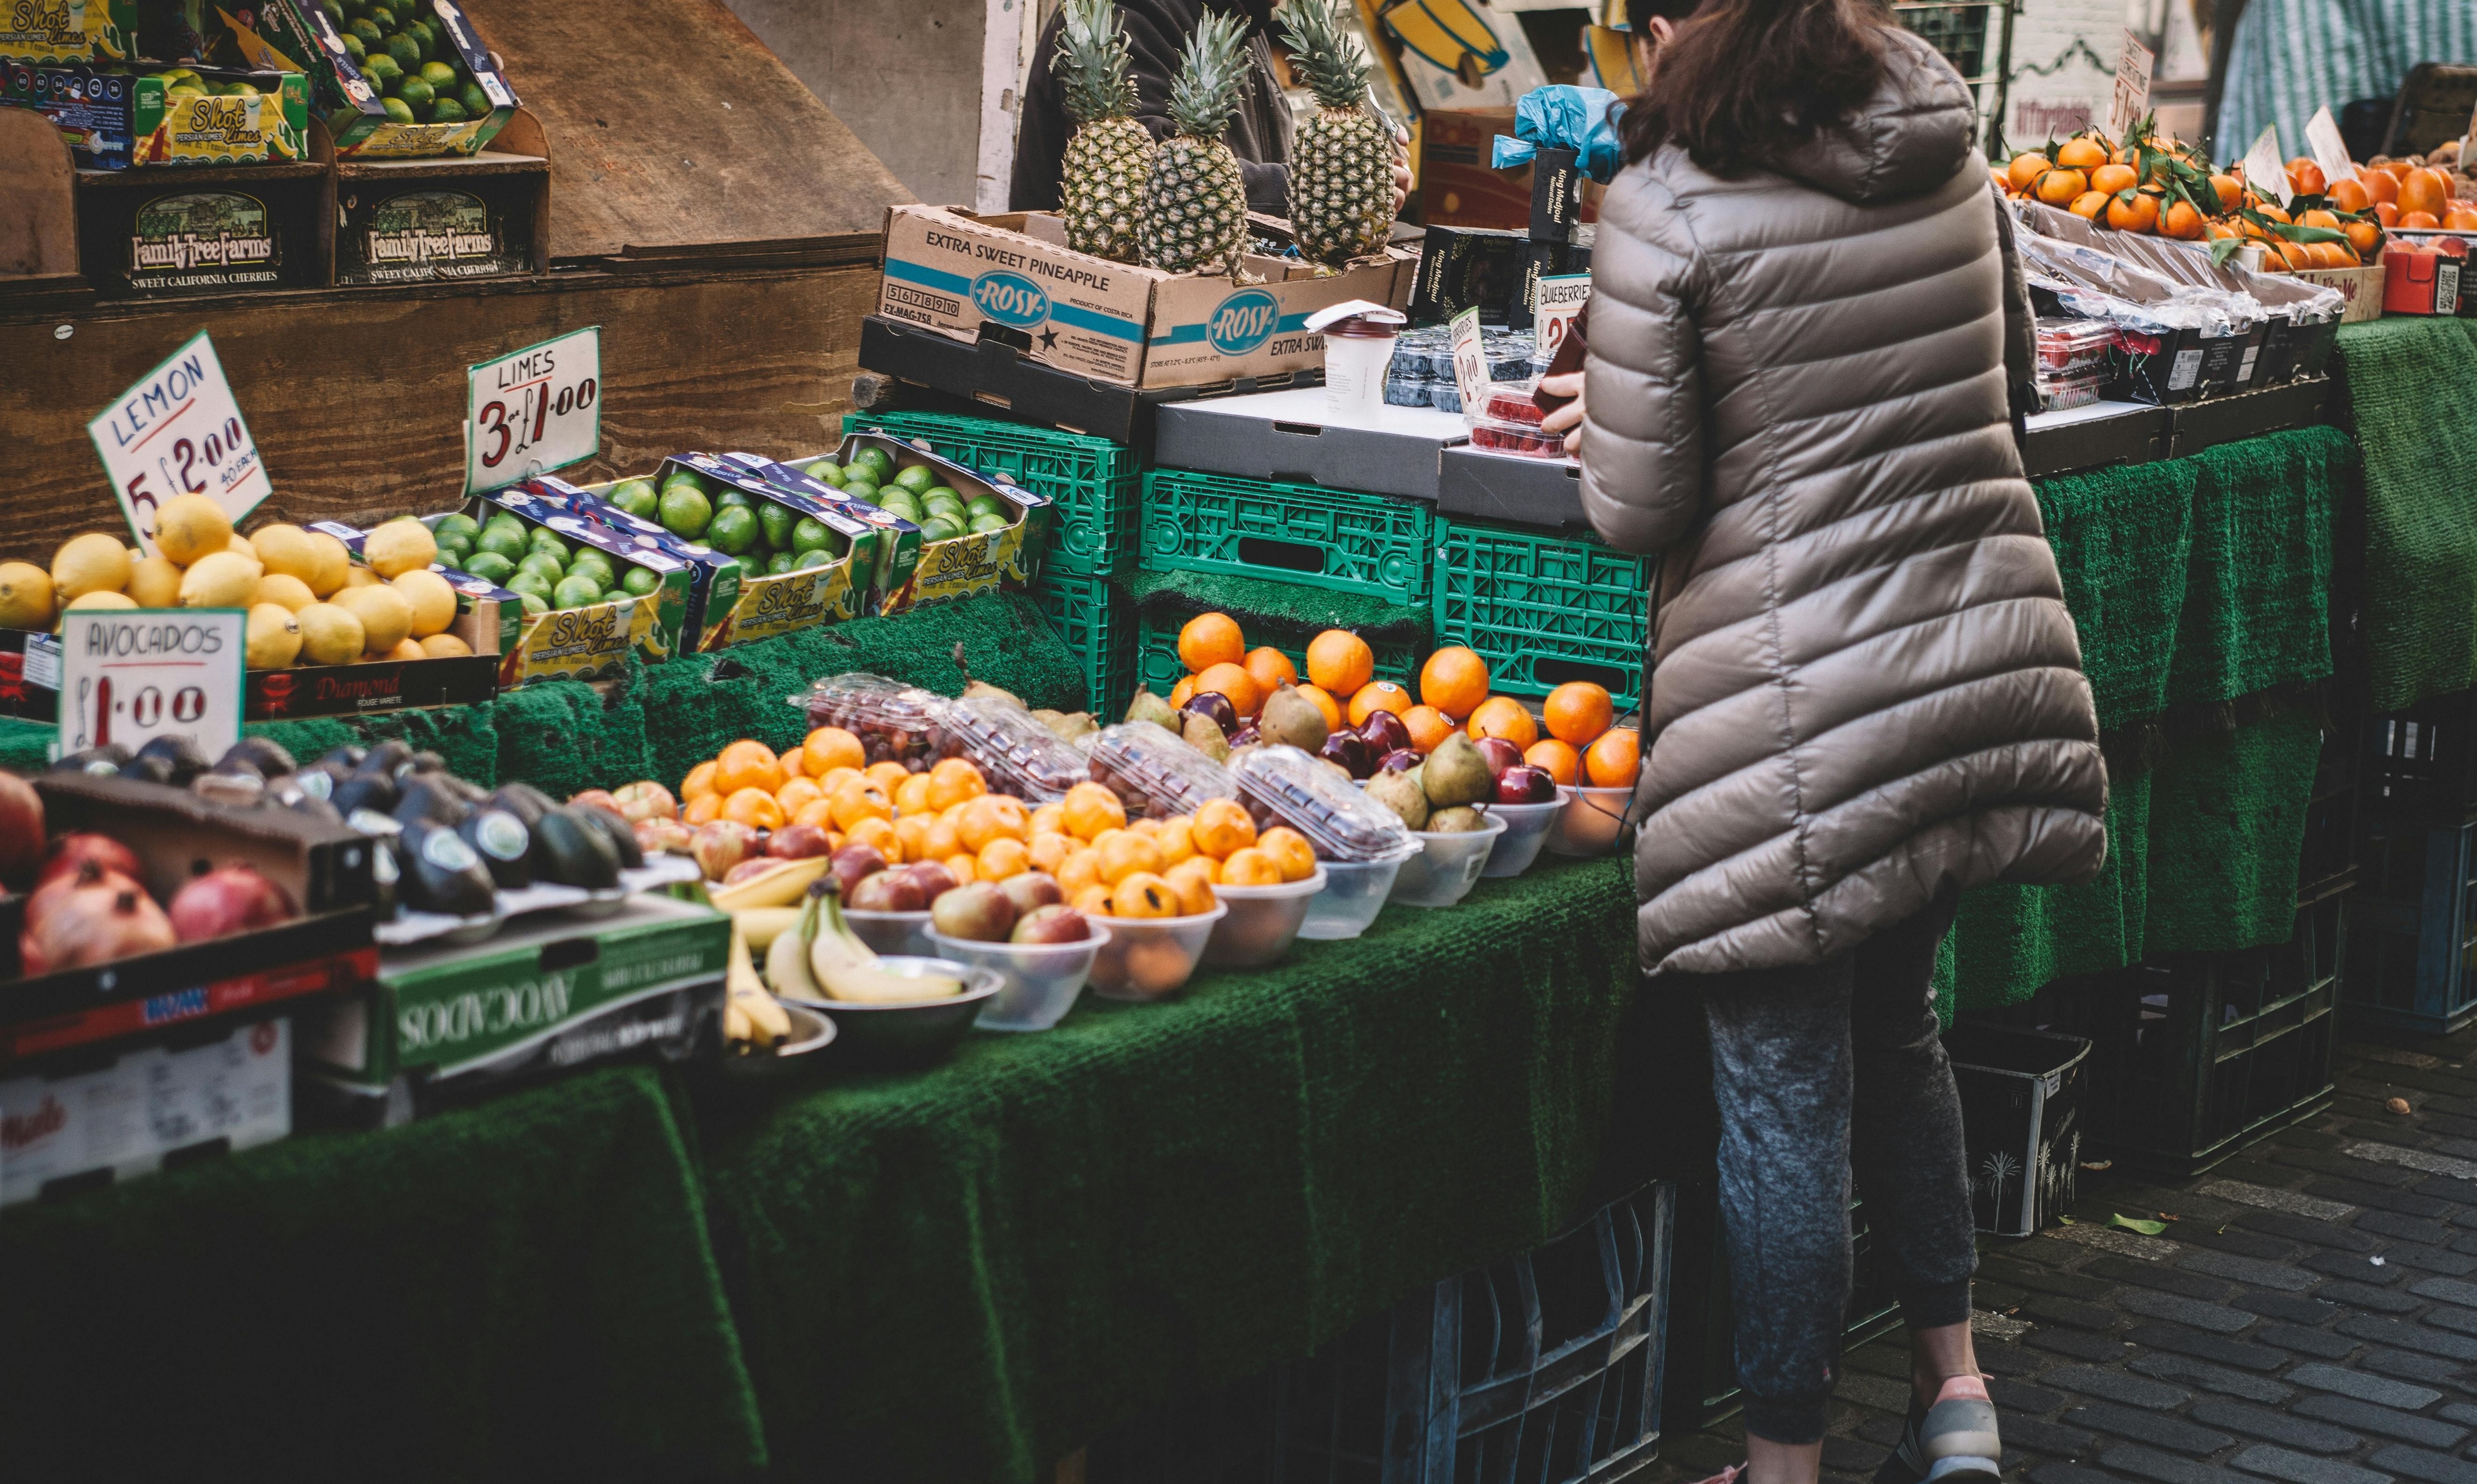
(1745, 79)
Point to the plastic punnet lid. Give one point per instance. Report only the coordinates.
(1156, 775)
(1020, 755)
(895, 722)
(1284, 785)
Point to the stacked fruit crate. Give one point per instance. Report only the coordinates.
(2412, 921)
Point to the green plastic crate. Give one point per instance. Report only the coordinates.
(1097, 622)
(1334, 538)
(1096, 482)
(1158, 666)
(1542, 609)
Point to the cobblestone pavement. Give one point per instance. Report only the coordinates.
(2310, 1314)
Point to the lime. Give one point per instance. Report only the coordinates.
(576, 592)
(825, 469)
(904, 510)
(476, 102)
(382, 16)
(406, 51)
(415, 93)
(490, 567)
(952, 510)
(641, 582)
(536, 606)
(381, 69)
(938, 527)
(354, 47)
(333, 12)
(918, 479)
(779, 522)
(367, 31)
(550, 567)
(541, 539)
(637, 497)
(456, 523)
(426, 35)
(734, 498)
(595, 565)
(685, 510)
(811, 533)
(779, 563)
(441, 76)
(398, 111)
(502, 541)
(533, 583)
(935, 489)
(986, 505)
(861, 490)
(444, 109)
(876, 457)
(982, 524)
(685, 476)
(732, 530)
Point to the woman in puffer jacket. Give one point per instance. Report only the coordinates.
(1868, 695)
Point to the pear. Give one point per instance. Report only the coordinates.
(1399, 792)
(1206, 737)
(1291, 718)
(1459, 820)
(1149, 707)
(1456, 773)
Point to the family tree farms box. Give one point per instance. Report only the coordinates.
(966, 276)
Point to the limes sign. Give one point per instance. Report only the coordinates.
(179, 432)
(130, 676)
(533, 410)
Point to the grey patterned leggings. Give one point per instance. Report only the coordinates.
(1818, 1069)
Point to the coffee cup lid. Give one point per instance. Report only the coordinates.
(1354, 318)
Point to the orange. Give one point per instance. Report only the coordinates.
(859, 799)
(834, 778)
(1079, 869)
(1221, 827)
(1558, 759)
(1270, 669)
(2003, 181)
(1210, 639)
(1193, 879)
(698, 783)
(2460, 218)
(1003, 857)
(2268, 213)
(913, 829)
(1454, 680)
(1378, 696)
(2133, 211)
(879, 835)
(2090, 204)
(992, 817)
(1204, 866)
(1428, 728)
(1340, 661)
(962, 868)
(793, 763)
(911, 795)
(2418, 221)
(2081, 154)
(819, 812)
(1049, 819)
(2386, 212)
(2181, 221)
(2229, 189)
(2424, 190)
(746, 764)
(754, 807)
(1577, 711)
(1049, 851)
(1234, 684)
(1104, 837)
(701, 807)
(952, 781)
(2305, 177)
(1290, 851)
(1175, 839)
(2381, 185)
(797, 795)
(2363, 236)
(2111, 179)
(1250, 867)
(2294, 253)
(2350, 195)
(831, 746)
(1147, 826)
(2026, 168)
(887, 776)
(1088, 809)
(1503, 716)
(2317, 218)
(1143, 894)
(939, 841)
(2223, 231)
(1613, 760)
(2058, 188)
(1324, 703)
(1092, 900)
(1127, 853)
(1181, 692)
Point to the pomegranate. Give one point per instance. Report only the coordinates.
(95, 917)
(233, 899)
(643, 801)
(74, 849)
(22, 831)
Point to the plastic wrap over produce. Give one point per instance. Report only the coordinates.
(2187, 263)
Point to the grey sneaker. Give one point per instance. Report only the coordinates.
(1953, 1441)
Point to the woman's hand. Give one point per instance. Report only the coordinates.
(1567, 419)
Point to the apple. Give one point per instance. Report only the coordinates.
(754, 865)
(1246, 736)
(600, 798)
(720, 844)
(654, 835)
(887, 891)
(1348, 751)
(797, 842)
(1500, 755)
(1399, 760)
(645, 800)
(853, 863)
(976, 910)
(1523, 783)
(1386, 732)
(1030, 890)
(935, 881)
(1216, 707)
(1055, 923)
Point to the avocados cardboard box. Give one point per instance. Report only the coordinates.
(63, 31)
(593, 643)
(114, 119)
(291, 36)
(962, 566)
(439, 1010)
(1013, 276)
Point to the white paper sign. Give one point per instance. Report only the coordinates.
(1561, 297)
(179, 432)
(2263, 168)
(130, 676)
(2330, 151)
(533, 412)
(2132, 98)
(1470, 363)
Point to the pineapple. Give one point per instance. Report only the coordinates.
(1195, 216)
(1101, 181)
(1342, 177)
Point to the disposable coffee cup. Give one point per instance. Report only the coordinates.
(1358, 339)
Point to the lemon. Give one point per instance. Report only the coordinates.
(91, 564)
(386, 615)
(154, 582)
(434, 602)
(219, 579)
(99, 598)
(288, 550)
(274, 639)
(360, 577)
(444, 646)
(243, 544)
(190, 527)
(409, 649)
(334, 565)
(400, 546)
(329, 635)
(25, 596)
(290, 593)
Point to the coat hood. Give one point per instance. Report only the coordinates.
(1906, 140)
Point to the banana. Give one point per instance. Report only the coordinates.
(787, 958)
(761, 925)
(780, 887)
(846, 968)
(762, 1023)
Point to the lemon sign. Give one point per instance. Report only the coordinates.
(179, 432)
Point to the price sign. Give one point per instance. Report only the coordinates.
(179, 432)
(532, 411)
(1561, 297)
(2263, 167)
(2132, 97)
(130, 676)
(2330, 151)
(1470, 363)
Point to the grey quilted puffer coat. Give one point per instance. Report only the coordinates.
(1867, 685)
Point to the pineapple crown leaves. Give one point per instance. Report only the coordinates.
(1093, 54)
(1326, 55)
(1211, 75)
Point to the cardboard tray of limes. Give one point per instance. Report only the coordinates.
(588, 595)
(713, 579)
(401, 79)
(114, 119)
(978, 534)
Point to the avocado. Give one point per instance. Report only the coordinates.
(504, 844)
(270, 759)
(344, 758)
(573, 852)
(179, 757)
(375, 792)
(525, 802)
(387, 757)
(442, 873)
(622, 837)
(426, 799)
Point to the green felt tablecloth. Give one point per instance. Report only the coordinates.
(2407, 380)
(967, 1274)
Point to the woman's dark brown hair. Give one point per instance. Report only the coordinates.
(1745, 79)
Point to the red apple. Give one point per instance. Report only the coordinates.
(234, 899)
(887, 891)
(1523, 783)
(976, 911)
(1386, 732)
(1031, 890)
(754, 865)
(853, 864)
(935, 881)
(797, 842)
(720, 844)
(1053, 923)
(1500, 755)
(663, 835)
(599, 798)
(645, 800)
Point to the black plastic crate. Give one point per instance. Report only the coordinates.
(2412, 929)
(2196, 1055)
(2328, 864)
(2421, 763)
(2020, 1109)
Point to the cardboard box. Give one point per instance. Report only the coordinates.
(964, 566)
(87, 1124)
(2196, 426)
(1462, 54)
(2093, 437)
(1542, 493)
(1289, 436)
(115, 118)
(52, 32)
(593, 643)
(438, 1011)
(1458, 187)
(2424, 278)
(435, 230)
(713, 578)
(1495, 272)
(1012, 277)
(291, 36)
(2361, 288)
(151, 232)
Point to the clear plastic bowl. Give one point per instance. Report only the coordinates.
(1152, 957)
(1354, 893)
(1591, 820)
(892, 933)
(1041, 980)
(1263, 920)
(1527, 827)
(1447, 866)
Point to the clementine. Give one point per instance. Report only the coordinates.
(831, 746)
(700, 809)
(1092, 900)
(1250, 867)
(819, 812)
(2229, 189)
(887, 776)
(1183, 692)
(1503, 716)
(1577, 711)
(1210, 639)
(2424, 190)
(2305, 177)
(2350, 195)
(1222, 827)
(1193, 879)
(1613, 760)
(2026, 168)
(2089, 205)
(1290, 851)
(2133, 211)
(1378, 696)
(913, 830)
(1176, 838)
(2081, 153)
(754, 807)
(1002, 858)
(1049, 851)
(2363, 236)
(1235, 684)
(955, 780)
(2110, 179)
(2386, 212)
(990, 818)
(2058, 188)
(1340, 662)
(1270, 669)
(2381, 185)
(1080, 869)
(1324, 703)
(1088, 809)
(746, 764)
(1144, 894)
(796, 795)
(1428, 728)
(1127, 853)
(2180, 221)
(860, 798)
(1454, 680)
(698, 783)
(877, 835)
(911, 795)
(962, 868)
